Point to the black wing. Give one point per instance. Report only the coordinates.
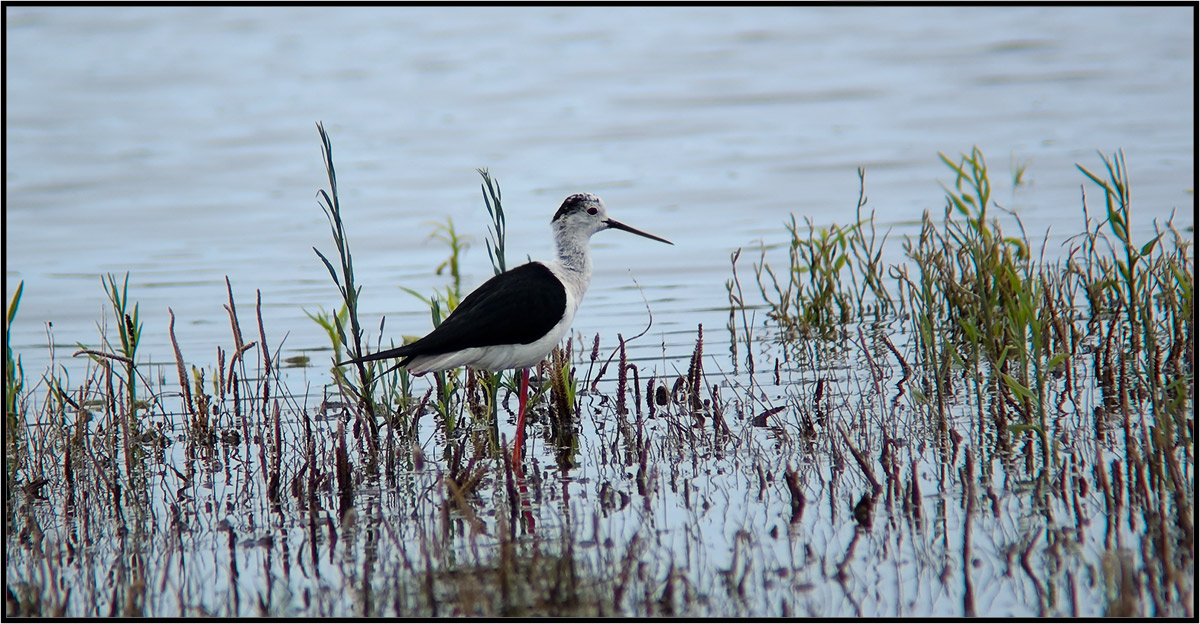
(515, 307)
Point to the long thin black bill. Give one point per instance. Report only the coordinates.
(612, 223)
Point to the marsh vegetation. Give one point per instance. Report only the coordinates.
(989, 427)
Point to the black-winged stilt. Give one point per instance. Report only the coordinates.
(516, 318)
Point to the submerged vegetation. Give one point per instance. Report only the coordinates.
(1073, 377)
(972, 430)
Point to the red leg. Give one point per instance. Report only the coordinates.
(520, 442)
(521, 420)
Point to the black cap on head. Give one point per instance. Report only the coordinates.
(573, 203)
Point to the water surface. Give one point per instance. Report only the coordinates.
(177, 144)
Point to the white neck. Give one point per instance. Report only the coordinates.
(574, 257)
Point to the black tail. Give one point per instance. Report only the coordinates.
(404, 352)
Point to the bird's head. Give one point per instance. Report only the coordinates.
(585, 213)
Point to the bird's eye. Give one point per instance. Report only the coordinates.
(592, 211)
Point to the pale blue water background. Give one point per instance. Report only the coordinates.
(178, 144)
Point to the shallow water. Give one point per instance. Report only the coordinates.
(178, 145)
